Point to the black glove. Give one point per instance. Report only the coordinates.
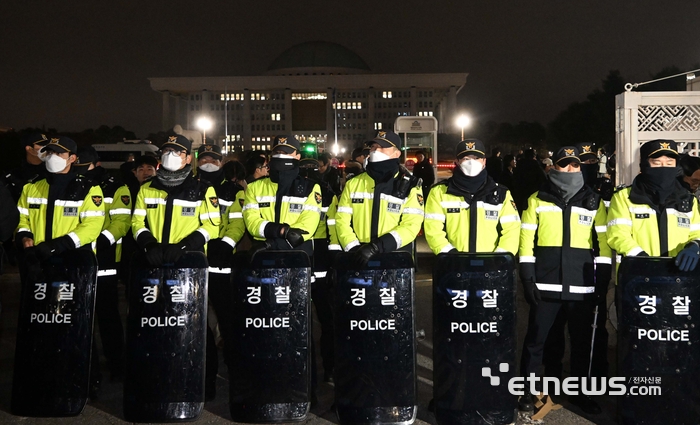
(642, 254)
(173, 252)
(355, 248)
(365, 253)
(258, 246)
(603, 273)
(154, 254)
(527, 276)
(276, 230)
(687, 259)
(295, 236)
(219, 253)
(53, 247)
(453, 251)
(102, 244)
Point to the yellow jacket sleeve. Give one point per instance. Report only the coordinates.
(235, 227)
(619, 233)
(252, 218)
(119, 221)
(601, 229)
(23, 207)
(695, 223)
(311, 215)
(528, 230)
(333, 244)
(411, 219)
(209, 215)
(343, 222)
(509, 219)
(434, 226)
(138, 218)
(92, 216)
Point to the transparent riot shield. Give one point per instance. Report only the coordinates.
(270, 337)
(375, 369)
(658, 342)
(54, 336)
(166, 340)
(474, 338)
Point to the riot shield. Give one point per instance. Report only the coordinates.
(658, 342)
(54, 337)
(166, 340)
(474, 338)
(375, 367)
(271, 337)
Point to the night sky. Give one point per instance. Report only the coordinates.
(78, 65)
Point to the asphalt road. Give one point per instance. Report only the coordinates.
(108, 408)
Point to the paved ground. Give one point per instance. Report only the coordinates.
(108, 409)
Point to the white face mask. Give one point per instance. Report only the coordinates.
(56, 164)
(171, 161)
(376, 156)
(209, 167)
(471, 167)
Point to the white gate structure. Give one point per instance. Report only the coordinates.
(645, 116)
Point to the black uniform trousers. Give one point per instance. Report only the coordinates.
(555, 346)
(107, 310)
(579, 315)
(322, 298)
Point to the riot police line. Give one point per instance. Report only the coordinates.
(349, 254)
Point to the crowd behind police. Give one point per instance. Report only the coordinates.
(561, 217)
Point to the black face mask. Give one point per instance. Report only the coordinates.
(383, 170)
(590, 174)
(213, 177)
(659, 180)
(468, 184)
(283, 169)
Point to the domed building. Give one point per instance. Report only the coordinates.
(315, 90)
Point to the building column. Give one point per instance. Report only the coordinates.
(330, 119)
(451, 110)
(247, 130)
(165, 124)
(288, 111)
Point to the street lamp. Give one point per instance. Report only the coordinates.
(463, 121)
(204, 124)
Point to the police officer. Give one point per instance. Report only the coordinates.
(32, 168)
(282, 212)
(558, 266)
(556, 343)
(193, 208)
(324, 239)
(656, 216)
(144, 169)
(117, 201)
(60, 213)
(219, 254)
(380, 210)
(470, 212)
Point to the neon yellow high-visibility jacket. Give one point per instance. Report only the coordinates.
(171, 217)
(399, 218)
(235, 227)
(635, 225)
(489, 222)
(300, 209)
(117, 217)
(558, 240)
(78, 212)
